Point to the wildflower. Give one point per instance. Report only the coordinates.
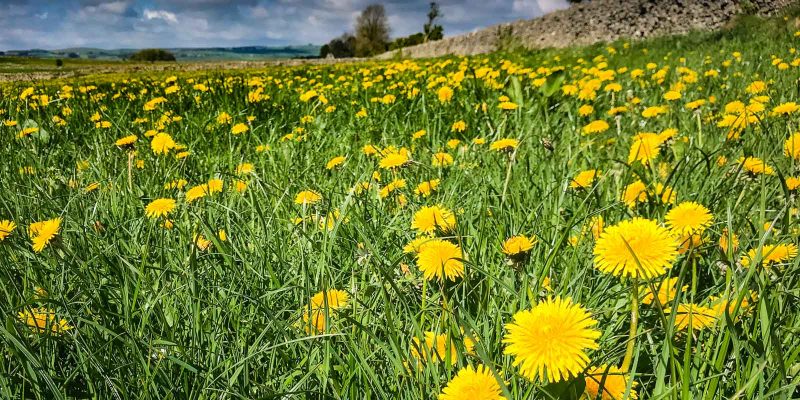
(651, 112)
(6, 227)
(307, 197)
(41, 233)
(585, 110)
(394, 159)
(244, 169)
(770, 254)
(43, 320)
(508, 106)
(634, 193)
(607, 383)
(517, 245)
(755, 166)
(335, 162)
(440, 259)
(474, 384)
(550, 340)
(598, 126)
(584, 179)
(699, 317)
(689, 218)
(435, 348)
(126, 142)
(201, 242)
(334, 299)
(645, 147)
(445, 94)
(162, 143)
(667, 291)
(239, 128)
(637, 248)
(430, 219)
(459, 126)
(442, 159)
(728, 239)
(160, 207)
(506, 145)
(786, 108)
(418, 134)
(427, 188)
(791, 147)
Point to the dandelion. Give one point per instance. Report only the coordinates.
(442, 159)
(638, 248)
(550, 340)
(770, 254)
(459, 126)
(598, 126)
(162, 143)
(334, 299)
(160, 207)
(239, 128)
(43, 320)
(6, 227)
(473, 384)
(517, 245)
(126, 142)
(445, 94)
(395, 159)
(699, 317)
(427, 188)
(307, 197)
(506, 145)
(689, 218)
(666, 292)
(41, 233)
(429, 219)
(584, 179)
(645, 147)
(335, 162)
(786, 108)
(608, 383)
(652, 112)
(791, 147)
(435, 348)
(755, 166)
(440, 259)
(508, 106)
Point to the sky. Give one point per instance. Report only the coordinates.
(111, 24)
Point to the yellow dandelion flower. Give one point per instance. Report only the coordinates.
(436, 348)
(699, 317)
(429, 219)
(598, 126)
(126, 142)
(6, 227)
(427, 188)
(608, 383)
(506, 144)
(335, 162)
(41, 233)
(755, 166)
(441, 159)
(516, 245)
(334, 299)
(394, 159)
(584, 179)
(667, 290)
(440, 259)
(770, 254)
(43, 320)
(689, 218)
(550, 340)
(638, 248)
(307, 197)
(160, 207)
(473, 384)
(162, 143)
(239, 128)
(791, 147)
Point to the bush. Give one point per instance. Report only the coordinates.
(152, 55)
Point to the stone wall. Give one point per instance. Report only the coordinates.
(598, 21)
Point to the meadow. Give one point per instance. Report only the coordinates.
(604, 222)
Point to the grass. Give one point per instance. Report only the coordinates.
(154, 315)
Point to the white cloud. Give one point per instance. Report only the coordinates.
(548, 6)
(160, 14)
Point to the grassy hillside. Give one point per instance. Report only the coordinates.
(181, 54)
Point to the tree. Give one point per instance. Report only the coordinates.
(341, 47)
(432, 31)
(151, 55)
(372, 31)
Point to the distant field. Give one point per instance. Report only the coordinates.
(619, 221)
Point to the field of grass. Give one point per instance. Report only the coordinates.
(617, 221)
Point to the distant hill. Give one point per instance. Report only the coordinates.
(598, 21)
(181, 54)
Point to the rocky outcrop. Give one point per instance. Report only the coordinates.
(598, 21)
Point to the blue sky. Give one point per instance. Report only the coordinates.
(53, 24)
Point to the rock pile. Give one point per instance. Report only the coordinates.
(598, 21)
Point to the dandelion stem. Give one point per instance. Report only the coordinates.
(424, 297)
(508, 176)
(626, 362)
(130, 169)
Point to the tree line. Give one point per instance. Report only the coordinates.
(371, 34)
